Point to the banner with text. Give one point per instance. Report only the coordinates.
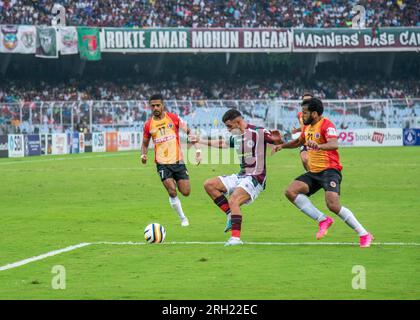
(16, 147)
(98, 142)
(124, 142)
(347, 39)
(136, 140)
(370, 137)
(59, 143)
(195, 40)
(32, 145)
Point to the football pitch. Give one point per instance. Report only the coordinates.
(95, 206)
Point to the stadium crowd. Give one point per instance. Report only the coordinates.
(198, 89)
(212, 13)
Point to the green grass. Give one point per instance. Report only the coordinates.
(49, 204)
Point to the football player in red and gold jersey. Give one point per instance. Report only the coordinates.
(303, 150)
(324, 171)
(163, 127)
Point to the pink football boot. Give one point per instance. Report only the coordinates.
(366, 240)
(323, 227)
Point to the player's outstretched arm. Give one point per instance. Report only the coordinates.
(296, 130)
(288, 145)
(274, 137)
(184, 127)
(219, 143)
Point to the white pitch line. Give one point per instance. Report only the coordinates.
(85, 244)
(269, 243)
(104, 155)
(43, 256)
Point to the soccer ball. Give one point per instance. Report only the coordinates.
(154, 233)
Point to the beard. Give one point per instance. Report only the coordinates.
(308, 121)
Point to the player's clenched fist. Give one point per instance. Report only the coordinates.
(312, 144)
(276, 137)
(144, 158)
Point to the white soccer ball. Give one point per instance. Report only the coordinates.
(154, 233)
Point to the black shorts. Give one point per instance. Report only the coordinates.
(329, 180)
(303, 148)
(176, 171)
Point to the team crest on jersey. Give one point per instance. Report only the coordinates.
(250, 144)
(170, 125)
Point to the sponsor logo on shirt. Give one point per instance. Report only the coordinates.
(165, 139)
(331, 132)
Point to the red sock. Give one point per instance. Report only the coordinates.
(236, 225)
(223, 204)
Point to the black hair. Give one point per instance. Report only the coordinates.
(156, 96)
(307, 93)
(230, 115)
(314, 104)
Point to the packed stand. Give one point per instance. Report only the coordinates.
(212, 13)
(198, 89)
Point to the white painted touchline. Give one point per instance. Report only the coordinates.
(85, 244)
(43, 256)
(105, 155)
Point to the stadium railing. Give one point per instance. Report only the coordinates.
(202, 115)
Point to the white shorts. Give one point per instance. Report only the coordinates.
(245, 182)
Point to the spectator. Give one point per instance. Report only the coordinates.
(200, 89)
(212, 13)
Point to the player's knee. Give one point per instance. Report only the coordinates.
(172, 193)
(334, 206)
(209, 185)
(290, 194)
(233, 202)
(186, 192)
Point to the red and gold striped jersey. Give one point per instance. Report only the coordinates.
(300, 118)
(165, 135)
(320, 160)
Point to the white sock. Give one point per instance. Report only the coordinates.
(176, 205)
(305, 205)
(349, 218)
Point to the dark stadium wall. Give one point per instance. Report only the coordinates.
(179, 66)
